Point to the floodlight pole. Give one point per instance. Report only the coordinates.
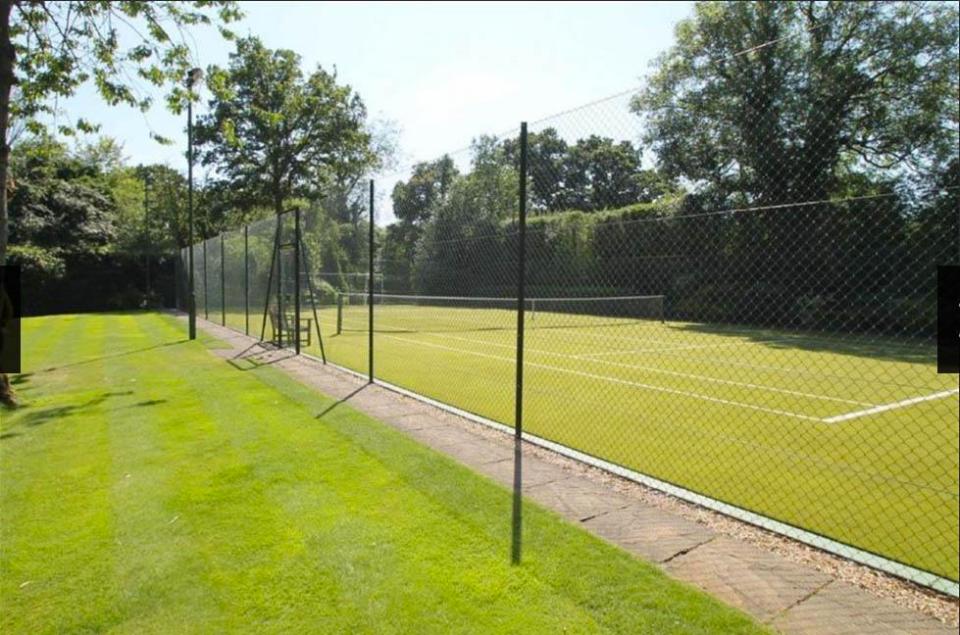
(194, 75)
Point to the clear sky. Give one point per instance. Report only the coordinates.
(443, 72)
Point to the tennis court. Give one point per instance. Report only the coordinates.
(831, 435)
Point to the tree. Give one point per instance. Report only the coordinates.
(429, 185)
(599, 174)
(166, 224)
(48, 49)
(546, 157)
(771, 100)
(62, 205)
(592, 174)
(414, 203)
(273, 133)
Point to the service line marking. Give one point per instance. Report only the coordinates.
(613, 380)
(890, 406)
(661, 371)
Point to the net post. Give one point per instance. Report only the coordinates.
(296, 281)
(246, 280)
(518, 398)
(223, 283)
(370, 291)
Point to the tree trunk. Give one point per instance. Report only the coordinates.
(7, 80)
(8, 57)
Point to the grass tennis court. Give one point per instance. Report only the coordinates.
(150, 487)
(847, 438)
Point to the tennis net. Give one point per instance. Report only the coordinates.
(424, 313)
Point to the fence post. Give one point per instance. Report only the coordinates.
(246, 282)
(339, 313)
(177, 266)
(370, 290)
(206, 297)
(296, 281)
(521, 291)
(281, 314)
(223, 283)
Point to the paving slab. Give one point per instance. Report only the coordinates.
(759, 582)
(441, 436)
(649, 532)
(477, 455)
(577, 498)
(534, 472)
(846, 610)
(412, 421)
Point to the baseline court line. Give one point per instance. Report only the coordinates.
(890, 406)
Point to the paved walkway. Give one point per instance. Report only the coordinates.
(790, 597)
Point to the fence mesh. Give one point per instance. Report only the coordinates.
(215, 279)
(757, 328)
(794, 375)
(234, 281)
(261, 240)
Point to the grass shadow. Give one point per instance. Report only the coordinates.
(337, 403)
(248, 358)
(20, 379)
(148, 403)
(114, 355)
(40, 417)
(875, 347)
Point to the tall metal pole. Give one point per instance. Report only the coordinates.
(146, 232)
(177, 279)
(370, 290)
(194, 75)
(223, 283)
(521, 292)
(246, 280)
(206, 291)
(296, 281)
(191, 291)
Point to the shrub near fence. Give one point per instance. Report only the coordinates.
(114, 282)
(732, 266)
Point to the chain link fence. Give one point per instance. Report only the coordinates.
(755, 333)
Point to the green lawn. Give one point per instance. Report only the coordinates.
(778, 422)
(148, 486)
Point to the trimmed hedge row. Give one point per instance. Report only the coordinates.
(853, 266)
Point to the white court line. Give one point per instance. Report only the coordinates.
(661, 371)
(613, 380)
(890, 406)
(668, 350)
(662, 349)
